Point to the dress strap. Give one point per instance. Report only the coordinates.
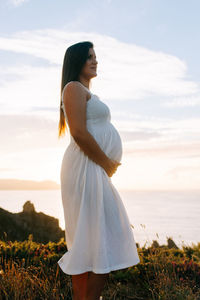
(85, 87)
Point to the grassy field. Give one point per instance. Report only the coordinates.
(29, 270)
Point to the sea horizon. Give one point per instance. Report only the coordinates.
(153, 214)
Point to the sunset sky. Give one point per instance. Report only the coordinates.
(148, 74)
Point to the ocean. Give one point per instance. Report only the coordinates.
(155, 215)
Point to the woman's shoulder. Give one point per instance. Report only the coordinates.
(74, 88)
(71, 85)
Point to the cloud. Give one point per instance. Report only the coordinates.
(30, 143)
(185, 171)
(138, 135)
(17, 2)
(165, 149)
(128, 75)
(183, 101)
(125, 71)
(32, 86)
(28, 132)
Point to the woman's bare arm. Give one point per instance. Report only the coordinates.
(74, 100)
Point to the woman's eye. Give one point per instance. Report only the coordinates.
(90, 56)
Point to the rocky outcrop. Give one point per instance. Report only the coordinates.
(18, 226)
(28, 207)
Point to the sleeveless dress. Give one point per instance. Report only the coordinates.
(98, 233)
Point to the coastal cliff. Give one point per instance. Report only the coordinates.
(18, 226)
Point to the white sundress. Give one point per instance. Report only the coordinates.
(98, 232)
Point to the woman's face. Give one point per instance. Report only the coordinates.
(90, 67)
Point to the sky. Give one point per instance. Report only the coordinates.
(148, 74)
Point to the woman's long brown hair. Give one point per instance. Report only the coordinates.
(75, 57)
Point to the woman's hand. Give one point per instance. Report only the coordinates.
(111, 167)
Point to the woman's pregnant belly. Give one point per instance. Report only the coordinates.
(106, 136)
(74, 162)
(108, 139)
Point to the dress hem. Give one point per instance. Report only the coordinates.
(102, 271)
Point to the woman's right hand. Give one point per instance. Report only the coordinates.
(111, 167)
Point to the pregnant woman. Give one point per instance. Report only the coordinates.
(98, 233)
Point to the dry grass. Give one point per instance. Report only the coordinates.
(30, 271)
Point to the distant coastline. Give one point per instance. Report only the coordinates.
(19, 184)
(22, 184)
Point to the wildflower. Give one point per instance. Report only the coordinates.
(181, 278)
(173, 263)
(190, 263)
